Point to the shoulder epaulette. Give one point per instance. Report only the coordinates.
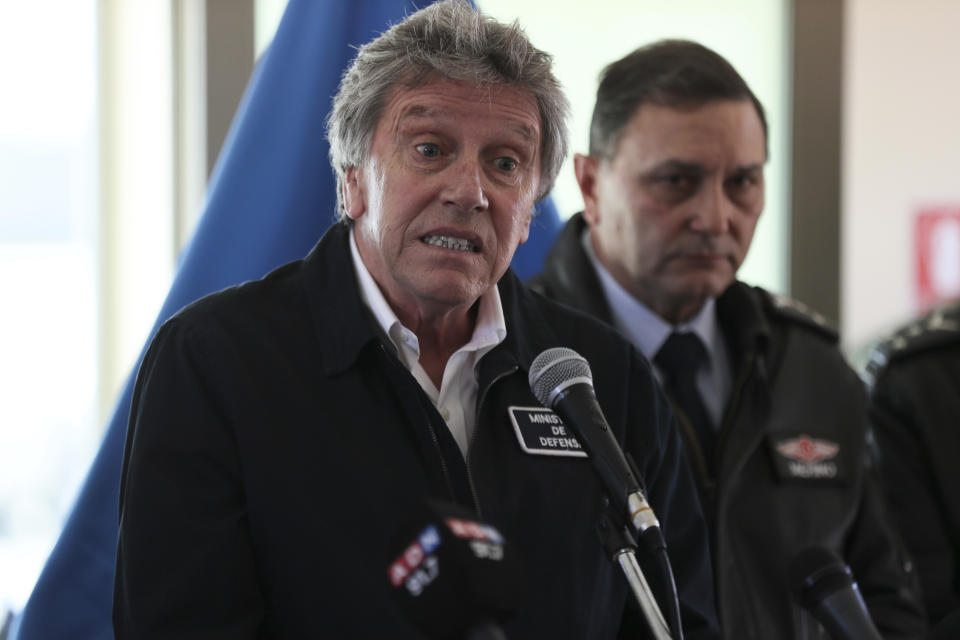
(938, 328)
(796, 311)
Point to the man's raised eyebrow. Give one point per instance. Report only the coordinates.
(422, 111)
(417, 111)
(527, 133)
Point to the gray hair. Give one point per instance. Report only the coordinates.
(452, 40)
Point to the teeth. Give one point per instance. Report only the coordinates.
(449, 243)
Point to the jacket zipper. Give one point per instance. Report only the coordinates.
(696, 456)
(476, 430)
(433, 434)
(733, 409)
(734, 405)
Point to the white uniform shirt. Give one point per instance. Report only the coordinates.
(456, 400)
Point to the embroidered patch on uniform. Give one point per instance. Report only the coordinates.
(541, 432)
(807, 459)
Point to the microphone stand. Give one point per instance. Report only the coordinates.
(622, 548)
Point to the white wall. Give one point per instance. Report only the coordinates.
(901, 150)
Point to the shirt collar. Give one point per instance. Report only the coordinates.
(490, 328)
(644, 328)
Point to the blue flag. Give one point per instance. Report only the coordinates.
(271, 196)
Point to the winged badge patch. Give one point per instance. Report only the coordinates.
(808, 450)
(803, 457)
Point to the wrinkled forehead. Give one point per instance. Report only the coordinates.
(462, 103)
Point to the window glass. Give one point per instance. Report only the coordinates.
(48, 277)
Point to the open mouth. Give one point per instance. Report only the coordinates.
(449, 242)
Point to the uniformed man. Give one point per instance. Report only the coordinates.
(914, 378)
(774, 420)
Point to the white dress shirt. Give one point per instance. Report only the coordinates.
(456, 400)
(648, 331)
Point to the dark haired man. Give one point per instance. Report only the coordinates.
(774, 421)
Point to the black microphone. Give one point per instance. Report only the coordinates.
(823, 585)
(560, 378)
(453, 575)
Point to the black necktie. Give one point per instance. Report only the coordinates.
(679, 359)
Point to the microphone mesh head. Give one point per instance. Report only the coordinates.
(552, 368)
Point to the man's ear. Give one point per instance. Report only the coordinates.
(354, 201)
(586, 170)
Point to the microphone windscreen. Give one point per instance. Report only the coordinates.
(555, 367)
(815, 573)
(450, 572)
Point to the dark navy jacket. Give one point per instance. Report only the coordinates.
(914, 378)
(276, 443)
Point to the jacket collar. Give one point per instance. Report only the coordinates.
(569, 277)
(345, 327)
(528, 330)
(742, 320)
(749, 340)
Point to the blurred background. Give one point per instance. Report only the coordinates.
(114, 111)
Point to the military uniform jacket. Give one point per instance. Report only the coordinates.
(276, 444)
(791, 460)
(915, 382)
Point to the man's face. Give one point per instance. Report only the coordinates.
(673, 212)
(447, 194)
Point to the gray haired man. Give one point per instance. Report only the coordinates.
(284, 430)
